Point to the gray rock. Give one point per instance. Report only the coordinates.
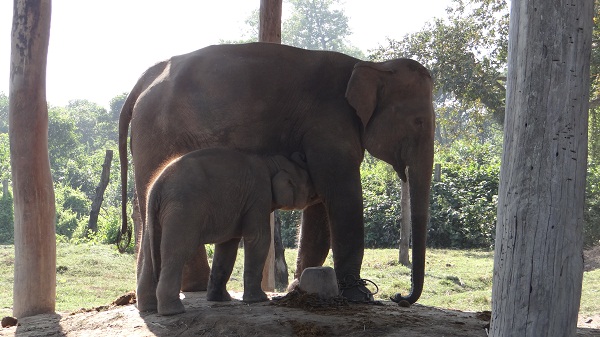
(320, 281)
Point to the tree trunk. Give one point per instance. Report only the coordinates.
(281, 268)
(4, 188)
(269, 30)
(34, 289)
(268, 279)
(405, 226)
(99, 197)
(270, 21)
(538, 265)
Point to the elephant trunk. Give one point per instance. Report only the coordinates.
(419, 178)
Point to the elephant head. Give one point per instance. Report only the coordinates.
(393, 100)
(291, 184)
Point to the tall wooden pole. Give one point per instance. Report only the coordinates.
(269, 30)
(35, 241)
(538, 265)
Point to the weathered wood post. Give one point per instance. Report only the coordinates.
(538, 264)
(34, 289)
(270, 31)
(99, 197)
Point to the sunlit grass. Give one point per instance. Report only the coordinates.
(94, 275)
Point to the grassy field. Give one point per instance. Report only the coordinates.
(94, 275)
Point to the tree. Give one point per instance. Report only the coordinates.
(35, 244)
(314, 24)
(3, 113)
(538, 265)
(466, 54)
(317, 25)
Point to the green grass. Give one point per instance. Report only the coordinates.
(94, 275)
(87, 276)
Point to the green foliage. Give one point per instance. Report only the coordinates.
(290, 222)
(313, 24)
(466, 53)
(6, 219)
(318, 25)
(72, 207)
(381, 202)
(464, 201)
(4, 156)
(591, 226)
(3, 113)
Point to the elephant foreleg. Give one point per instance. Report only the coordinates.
(314, 241)
(223, 262)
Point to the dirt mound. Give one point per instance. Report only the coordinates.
(283, 317)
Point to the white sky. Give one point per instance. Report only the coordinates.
(98, 49)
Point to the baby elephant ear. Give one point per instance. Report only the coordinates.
(300, 159)
(283, 190)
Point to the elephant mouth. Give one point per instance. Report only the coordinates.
(400, 166)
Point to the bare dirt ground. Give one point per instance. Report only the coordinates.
(299, 315)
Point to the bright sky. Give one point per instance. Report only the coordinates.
(98, 49)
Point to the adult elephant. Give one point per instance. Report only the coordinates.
(274, 99)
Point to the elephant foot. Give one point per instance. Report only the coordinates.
(144, 305)
(355, 289)
(217, 295)
(171, 308)
(254, 297)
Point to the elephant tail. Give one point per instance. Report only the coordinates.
(124, 120)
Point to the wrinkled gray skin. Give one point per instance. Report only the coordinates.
(215, 196)
(275, 99)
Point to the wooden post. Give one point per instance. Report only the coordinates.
(99, 197)
(34, 289)
(405, 226)
(270, 21)
(270, 31)
(268, 280)
(281, 268)
(538, 264)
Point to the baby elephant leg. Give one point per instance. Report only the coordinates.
(223, 262)
(256, 248)
(176, 247)
(146, 283)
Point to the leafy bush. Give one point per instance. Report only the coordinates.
(591, 226)
(6, 219)
(464, 201)
(290, 222)
(381, 200)
(72, 210)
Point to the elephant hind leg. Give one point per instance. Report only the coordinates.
(176, 247)
(146, 282)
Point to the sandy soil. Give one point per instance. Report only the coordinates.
(299, 315)
(286, 318)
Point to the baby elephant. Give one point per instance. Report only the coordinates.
(215, 196)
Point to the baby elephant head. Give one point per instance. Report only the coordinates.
(291, 185)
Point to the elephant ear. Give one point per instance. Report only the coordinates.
(283, 187)
(362, 89)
